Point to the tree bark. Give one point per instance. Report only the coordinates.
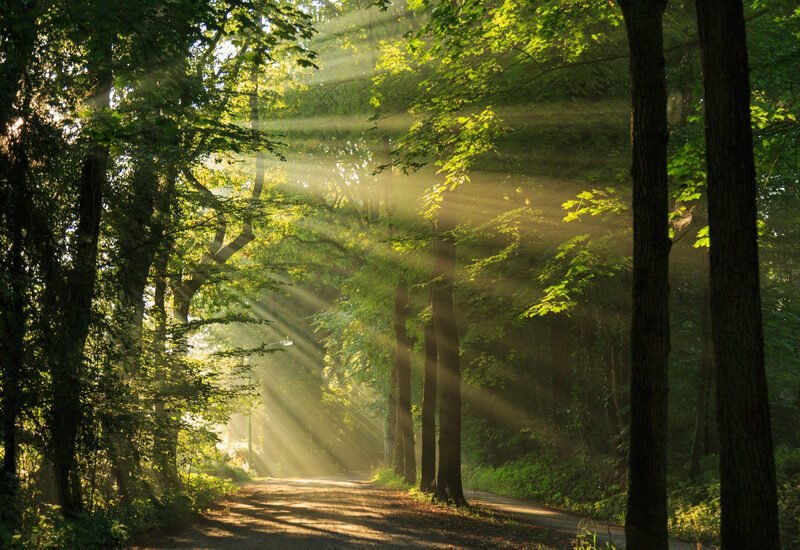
(646, 518)
(747, 464)
(448, 482)
(405, 461)
(428, 460)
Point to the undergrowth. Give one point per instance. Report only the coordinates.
(588, 486)
(116, 525)
(387, 477)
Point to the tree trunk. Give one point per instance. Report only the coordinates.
(12, 323)
(390, 422)
(747, 464)
(17, 40)
(66, 358)
(138, 242)
(164, 435)
(17, 43)
(560, 366)
(615, 416)
(428, 461)
(646, 518)
(703, 427)
(448, 482)
(405, 461)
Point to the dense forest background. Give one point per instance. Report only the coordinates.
(238, 237)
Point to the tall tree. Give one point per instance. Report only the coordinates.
(66, 355)
(747, 465)
(14, 284)
(448, 480)
(18, 32)
(428, 438)
(646, 515)
(404, 457)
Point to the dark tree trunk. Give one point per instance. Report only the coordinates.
(615, 416)
(646, 518)
(560, 367)
(428, 460)
(590, 409)
(137, 244)
(619, 384)
(702, 442)
(405, 461)
(747, 465)
(448, 482)
(17, 42)
(66, 358)
(12, 323)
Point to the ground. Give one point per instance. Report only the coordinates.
(352, 513)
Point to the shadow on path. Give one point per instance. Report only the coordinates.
(340, 513)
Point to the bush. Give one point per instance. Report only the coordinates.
(86, 531)
(114, 527)
(388, 478)
(789, 507)
(578, 483)
(202, 490)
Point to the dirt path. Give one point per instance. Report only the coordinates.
(332, 513)
(352, 513)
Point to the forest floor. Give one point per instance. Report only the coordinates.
(341, 512)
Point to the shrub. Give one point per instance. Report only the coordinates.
(388, 478)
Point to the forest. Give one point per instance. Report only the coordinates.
(548, 249)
